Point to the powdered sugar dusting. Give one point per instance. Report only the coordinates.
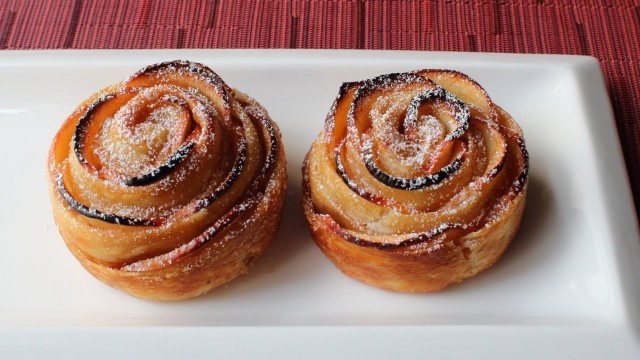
(414, 137)
(133, 151)
(159, 127)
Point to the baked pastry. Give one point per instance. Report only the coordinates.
(417, 181)
(167, 184)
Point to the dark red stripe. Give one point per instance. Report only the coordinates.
(582, 39)
(295, 32)
(180, 39)
(6, 24)
(144, 12)
(212, 15)
(360, 24)
(73, 24)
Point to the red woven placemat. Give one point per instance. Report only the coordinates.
(608, 30)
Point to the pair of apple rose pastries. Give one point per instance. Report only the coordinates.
(171, 183)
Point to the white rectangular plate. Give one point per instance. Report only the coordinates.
(567, 287)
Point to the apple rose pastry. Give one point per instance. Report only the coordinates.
(417, 181)
(167, 184)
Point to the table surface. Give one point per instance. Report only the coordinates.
(606, 29)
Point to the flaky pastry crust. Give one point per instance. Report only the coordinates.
(417, 181)
(168, 184)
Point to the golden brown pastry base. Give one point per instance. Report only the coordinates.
(425, 267)
(216, 263)
(168, 184)
(417, 180)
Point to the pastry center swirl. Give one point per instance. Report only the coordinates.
(157, 148)
(420, 144)
(415, 155)
(145, 139)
